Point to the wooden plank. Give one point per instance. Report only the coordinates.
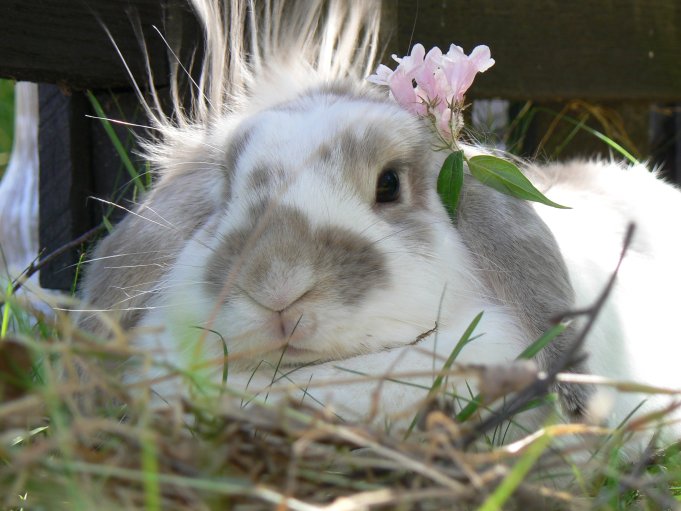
(63, 42)
(628, 49)
(78, 166)
(65, 181)
(665, 134)
(552, 50)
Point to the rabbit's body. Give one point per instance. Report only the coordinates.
(634, 339)
(268, 238)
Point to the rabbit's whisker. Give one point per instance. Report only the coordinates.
(131, 212)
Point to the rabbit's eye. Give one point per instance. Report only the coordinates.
(388, 186)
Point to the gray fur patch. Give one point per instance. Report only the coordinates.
(519, 260)
(345, 267)
(236, 148)
(259, 178)
(373, 149)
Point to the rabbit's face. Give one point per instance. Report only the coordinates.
(333, 241)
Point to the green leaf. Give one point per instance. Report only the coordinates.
(506, 178)
(450, 182)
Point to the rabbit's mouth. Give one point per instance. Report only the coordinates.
(287, 339)
(292, 356)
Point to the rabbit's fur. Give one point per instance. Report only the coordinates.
(262, 235)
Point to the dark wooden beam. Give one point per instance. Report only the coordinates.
(547, 51)
(65, 180)
(64, 42)
(81, 172)
(544, 50)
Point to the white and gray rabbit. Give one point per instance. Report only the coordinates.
(295, 225)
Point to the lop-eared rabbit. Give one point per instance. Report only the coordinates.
(294, 226)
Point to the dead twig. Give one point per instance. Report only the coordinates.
(39, 262)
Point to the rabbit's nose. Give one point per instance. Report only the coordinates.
(279, 285)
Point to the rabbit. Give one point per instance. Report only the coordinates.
(294, 238)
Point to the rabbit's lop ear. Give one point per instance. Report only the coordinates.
(519, 260)
(518, 256)
(127, 267)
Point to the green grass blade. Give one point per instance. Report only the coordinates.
(463, 341)
(437, 383)
(544, 340)
(74, 284)
(118, 145)
(532, 350)
(600, 136)
(516, 476)
(150, 471)
(6, 312)
(570, 136)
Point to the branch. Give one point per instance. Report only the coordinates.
(39, 263)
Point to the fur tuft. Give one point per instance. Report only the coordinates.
(259, 54)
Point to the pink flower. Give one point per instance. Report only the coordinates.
(433, 84)
(401, 79)
(460, 69)
(403, 91)
(411, 64)
(426, 77)
(382, 75)
(443, 121)
(482, 58)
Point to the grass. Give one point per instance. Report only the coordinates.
(6, 121)
(542, 132)
(73, 437)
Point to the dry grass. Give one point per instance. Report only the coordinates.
(73, 442)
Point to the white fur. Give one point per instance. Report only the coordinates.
(636, 338)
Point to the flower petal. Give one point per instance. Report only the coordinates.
(382, 75)
(411, 64)
(425, 78)
(481, 58)
(455, 53)
(403, 91)
(443, 120)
